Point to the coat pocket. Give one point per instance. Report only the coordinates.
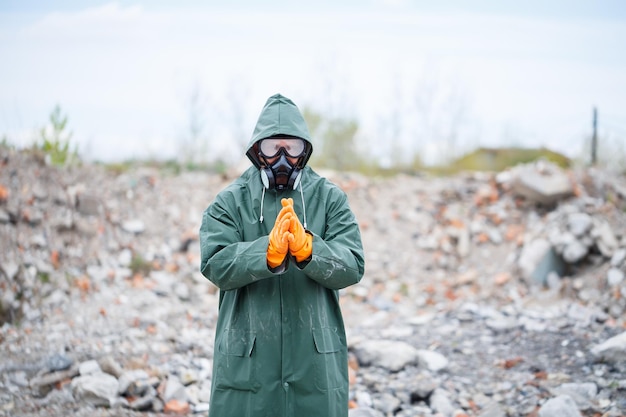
(330, 359)
(235, 362)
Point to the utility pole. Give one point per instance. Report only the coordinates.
(594, 138)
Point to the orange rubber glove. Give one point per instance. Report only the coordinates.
(279, 240)
(300, 242)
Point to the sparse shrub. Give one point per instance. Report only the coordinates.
(54, 140)
(138, 265)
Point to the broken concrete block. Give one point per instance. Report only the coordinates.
(538, 259)
(543, 183)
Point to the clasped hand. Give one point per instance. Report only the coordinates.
(288, 235)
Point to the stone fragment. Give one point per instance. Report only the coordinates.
(431, 360)
(538, 259)
(386, 403)
(440, 402)
(89, 367)
(388, 354)
(5, 217)
(140, 387)
(174, 390)
(98, 389)
(614, 277)
(493, 409)
(128, 378)
(182, 291)
(125, 257)
(201, 408)
(88, 204)
(502, 323)
(134, 226)
(109, 365)
(59, 362)
(10, 270)
(543, 183)
(422, 388)
(144, 401)
(187, 376)
(575, 252)
(605, 238)
(561, 406)
(612, 350)
(582, 393)
(618, 258)
(43, 382)
(176, 407)
(141, 403)
(579, 223)
(365, 412)
(19, 379)
(363, 398)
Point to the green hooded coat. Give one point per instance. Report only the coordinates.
(280, 343)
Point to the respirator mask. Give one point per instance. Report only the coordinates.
(278, 171)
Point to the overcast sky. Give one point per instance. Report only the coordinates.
(434, 76)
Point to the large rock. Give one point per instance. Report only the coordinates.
(582, 393)
(561, 406)
(605, 238)
(612, 350)
(98, 389)
(538, 259)
(543, 183)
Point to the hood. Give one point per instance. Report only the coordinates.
(279, 116)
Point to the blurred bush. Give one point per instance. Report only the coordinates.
(54, 140)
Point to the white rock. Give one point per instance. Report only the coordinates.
(201, 408)
(388, 354)
(431, 360)
(612, 350)
(97, 389)
(582, 393)
(125, 257)
(134, 226)
(493, 409)
(89, 367)
(174, 390)
(128, 377)
(605, 238)
(440, 402)
(614, 276)
(618, 257)
(579, 223)
(574, 252)
(544, 182)
(561, 406)
(531, 255)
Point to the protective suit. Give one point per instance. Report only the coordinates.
(280, 344)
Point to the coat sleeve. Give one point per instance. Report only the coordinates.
(337, 259)
(226, 260)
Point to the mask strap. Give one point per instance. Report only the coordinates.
(297, 180)
(262, 199)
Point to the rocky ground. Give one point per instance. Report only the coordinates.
(484, 295)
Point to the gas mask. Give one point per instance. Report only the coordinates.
(281, 174)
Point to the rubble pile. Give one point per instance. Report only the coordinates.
(484, 294)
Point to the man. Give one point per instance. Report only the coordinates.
(279, 242)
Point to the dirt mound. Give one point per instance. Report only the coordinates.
(96, 264)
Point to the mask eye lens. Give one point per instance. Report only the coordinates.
(271, 146)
